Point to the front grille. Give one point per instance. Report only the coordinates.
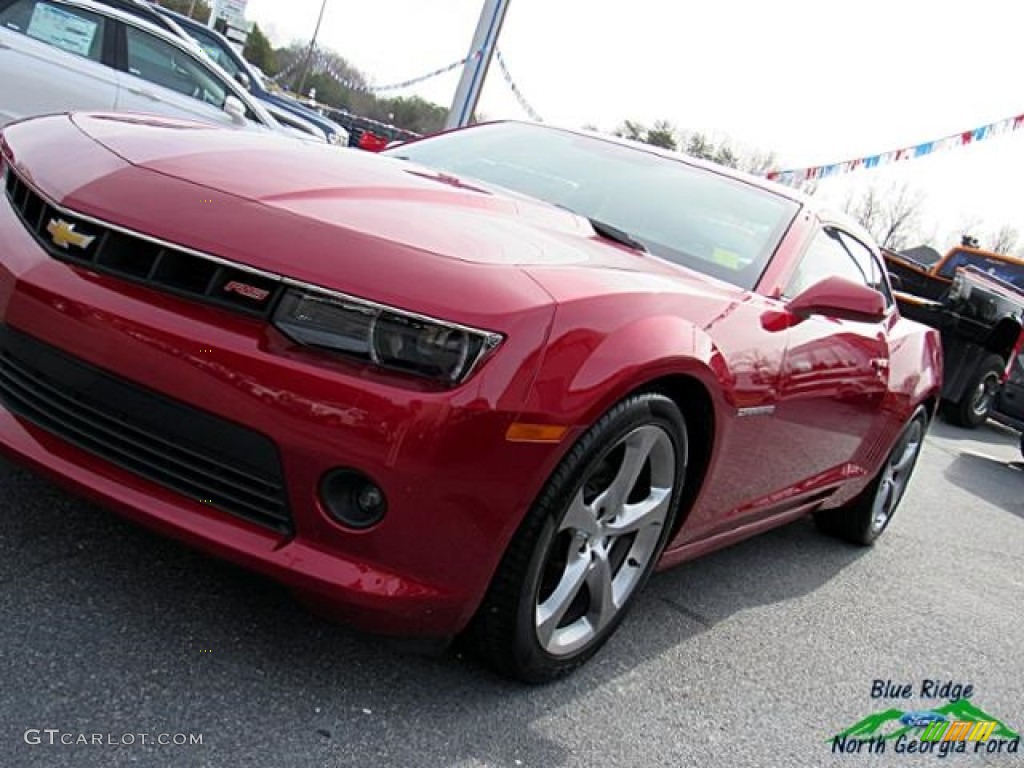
(80, 240)
(182, 448)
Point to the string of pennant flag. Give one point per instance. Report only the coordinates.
(529, 110)
(797, 176)
(322, 63)
(286, 71)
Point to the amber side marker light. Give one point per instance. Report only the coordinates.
(535, 433)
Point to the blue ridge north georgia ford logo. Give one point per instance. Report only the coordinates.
(944, 721)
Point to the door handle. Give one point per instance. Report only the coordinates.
(142, 92)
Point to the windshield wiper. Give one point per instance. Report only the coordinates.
(617, 235)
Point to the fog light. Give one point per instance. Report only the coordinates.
(352, 498)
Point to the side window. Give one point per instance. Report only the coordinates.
(869, 263)
(214, 48)
(826, 257)
(69, 28)
(161, 63)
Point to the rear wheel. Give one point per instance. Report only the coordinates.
(865, 518)
(588, 545)
(980, 393)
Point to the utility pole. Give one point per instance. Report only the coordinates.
(309, 53)
(467, 95)
(191, 9)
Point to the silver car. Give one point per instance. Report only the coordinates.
(63, 55)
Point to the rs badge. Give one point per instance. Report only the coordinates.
(244, 289)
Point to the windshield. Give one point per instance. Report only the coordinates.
(677, 211)
(1008, 272)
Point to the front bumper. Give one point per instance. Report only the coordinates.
(456, 488)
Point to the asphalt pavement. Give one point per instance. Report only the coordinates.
(753, 656)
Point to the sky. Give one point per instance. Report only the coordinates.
(815, 82)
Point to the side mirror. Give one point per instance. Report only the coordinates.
(840, 298)
(243, 80)
(895, 281)
(235, 108)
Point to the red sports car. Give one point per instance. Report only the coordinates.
(481, 384)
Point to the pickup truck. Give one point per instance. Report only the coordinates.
(975, 299)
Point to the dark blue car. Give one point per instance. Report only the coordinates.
(223, 53)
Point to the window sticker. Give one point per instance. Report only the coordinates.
(62, 29)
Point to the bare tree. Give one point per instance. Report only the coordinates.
(892, 216)
(632, 130)
(698, 144)
(758, 162)
(902, 216)
(1005, 239)
(866, 208)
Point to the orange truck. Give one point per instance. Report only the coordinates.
(975, 298)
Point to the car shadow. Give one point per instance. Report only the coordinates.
(128, 628)
(997, 482)
(990, 431)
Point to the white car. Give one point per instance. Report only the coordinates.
(63, 55)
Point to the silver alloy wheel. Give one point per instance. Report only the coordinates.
(896, 474)
(984, 394)
(605, 540)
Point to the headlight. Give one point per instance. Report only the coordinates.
(382, 335)
(338, 138)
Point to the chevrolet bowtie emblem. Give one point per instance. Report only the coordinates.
(63, 234)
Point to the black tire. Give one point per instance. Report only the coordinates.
(972, 409)
(859, 522)
(506, 631)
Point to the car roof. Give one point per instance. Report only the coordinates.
(1006, 258)
(178, 18)
(147, 11)
(117, 10)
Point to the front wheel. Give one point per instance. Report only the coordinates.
(587, 546)
(979, 395)
(863, 519)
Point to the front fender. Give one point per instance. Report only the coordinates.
(587, 370)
